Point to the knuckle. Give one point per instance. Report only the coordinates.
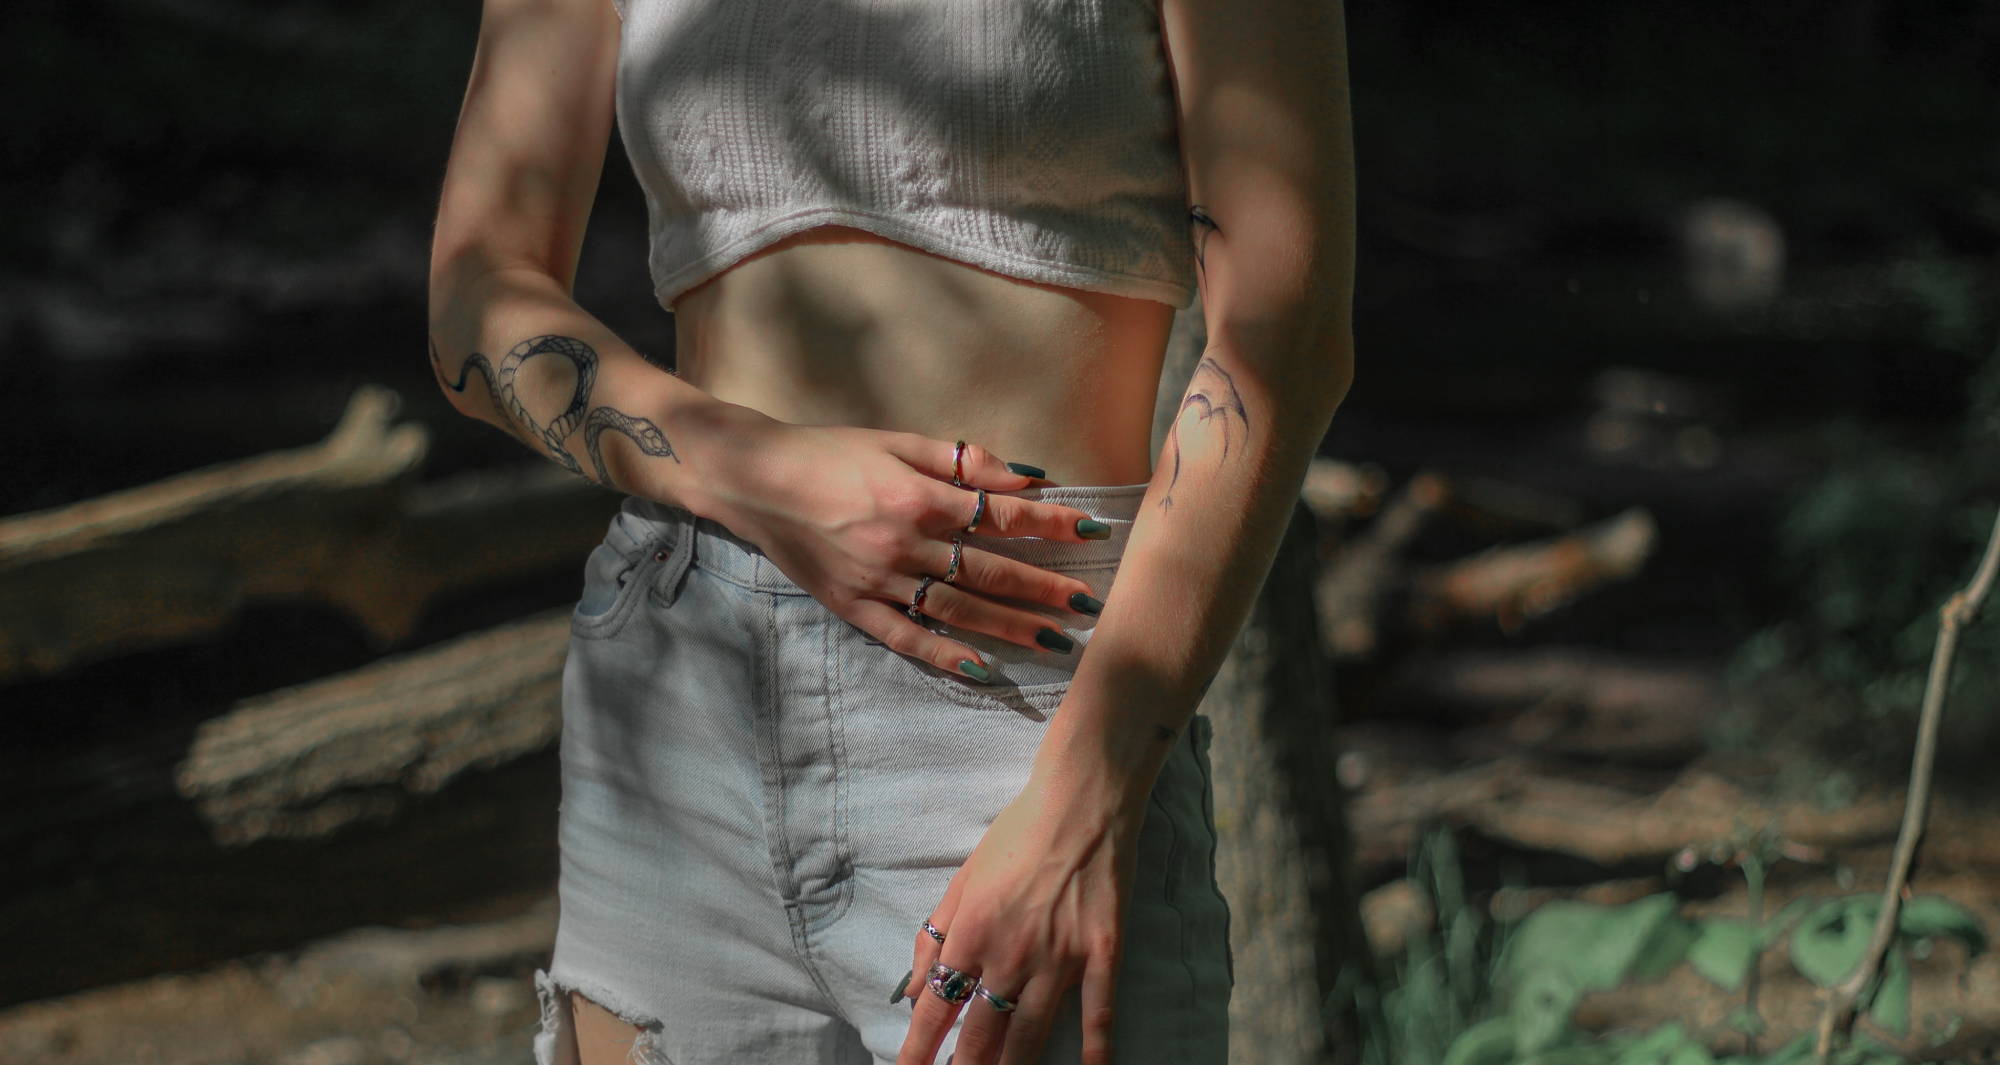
(905, 502)
(978, 458)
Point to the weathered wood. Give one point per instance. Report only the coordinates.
(339, 522)
(1353, 592)
(1512, 800)
(1512, 584)
(310, 759)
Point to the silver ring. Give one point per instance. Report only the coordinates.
(917, 601)
(958, 465)
(951, 984)
(1000, 1005)
(957, 553)
(932, 931)
(978, 512)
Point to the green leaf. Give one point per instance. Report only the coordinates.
(1593, 946)
(1540, 1009)
(1490, 1042)
(1829, 942)
(1724, 950)
(1934, 915)
(1781, 922)
(1891, 1008)
(1665, 948)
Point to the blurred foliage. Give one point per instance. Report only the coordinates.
(1469, 992)
(1867, 553)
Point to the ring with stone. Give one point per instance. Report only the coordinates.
(978, 512)
(957, 555)
(1000, 1005)
(931, 930)
(917, 601)
(952, 985)
(958, 465)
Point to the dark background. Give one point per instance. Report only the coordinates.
(219, 218)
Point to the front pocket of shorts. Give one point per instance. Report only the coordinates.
(615, 577)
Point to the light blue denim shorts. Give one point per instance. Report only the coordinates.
(760, 803)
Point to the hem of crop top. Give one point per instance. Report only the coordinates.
(669, 287)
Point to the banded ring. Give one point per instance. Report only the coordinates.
(917, 601)
(1000, 1005)
(958, 465)
(957, 555)
(978, 512)
(931, 930)
(951, 984)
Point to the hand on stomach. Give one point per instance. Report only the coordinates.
(854, 363)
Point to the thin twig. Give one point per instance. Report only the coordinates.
(1958, 611)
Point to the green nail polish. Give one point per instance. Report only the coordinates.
(975, 671)
(1055, 641)
(1091, 529)
(1085, 604)
(1026, 470)
(902, 987)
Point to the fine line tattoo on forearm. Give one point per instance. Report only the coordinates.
(595, 423)
(1213, 414)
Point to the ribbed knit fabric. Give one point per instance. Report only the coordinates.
(1033, 138)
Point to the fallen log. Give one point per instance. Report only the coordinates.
(339, 522)
(1510, 800)
(1513, 584)
(1353, 591)
(305, 761)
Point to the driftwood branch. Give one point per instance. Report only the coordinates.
(335, 522)
(1512, 584)
(1958, 612)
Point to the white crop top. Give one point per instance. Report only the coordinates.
(1034, 138)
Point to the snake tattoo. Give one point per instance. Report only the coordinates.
(595, 421)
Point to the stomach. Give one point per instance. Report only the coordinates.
(837, 326)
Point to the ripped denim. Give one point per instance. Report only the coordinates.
(761, 803)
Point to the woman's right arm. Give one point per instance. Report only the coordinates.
(509, 344)
(853, 515)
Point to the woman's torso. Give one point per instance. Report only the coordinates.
(836, 326)
(963, 218)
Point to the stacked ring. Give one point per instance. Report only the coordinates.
(978, 512)
(917, 601)
(1000, 1005)
(958, 465)
(957, 554)
(951, 984)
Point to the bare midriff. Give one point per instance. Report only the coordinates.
(837, 326)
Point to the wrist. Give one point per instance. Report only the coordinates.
(723, 440)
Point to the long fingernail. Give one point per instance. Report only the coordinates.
(902, 987)
(1084, 604)
(1026, 470)
(1091, 529)
(1055, 641)
(976, 671)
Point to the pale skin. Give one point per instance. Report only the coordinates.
(823, 380)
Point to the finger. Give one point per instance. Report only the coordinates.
(965, 610)
(1011, 516)
(933, 1015)
(979, 467)
(1001, 577)
(985, 1032)
(1028, 1026)
(900, 634)
(1100, 978)
(929, 947)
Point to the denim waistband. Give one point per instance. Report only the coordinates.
(719, 551)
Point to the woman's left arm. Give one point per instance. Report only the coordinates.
(1261, 91)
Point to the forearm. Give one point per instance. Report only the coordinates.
(511, 348)
(1222, 493)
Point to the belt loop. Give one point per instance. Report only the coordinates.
(678, 547)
